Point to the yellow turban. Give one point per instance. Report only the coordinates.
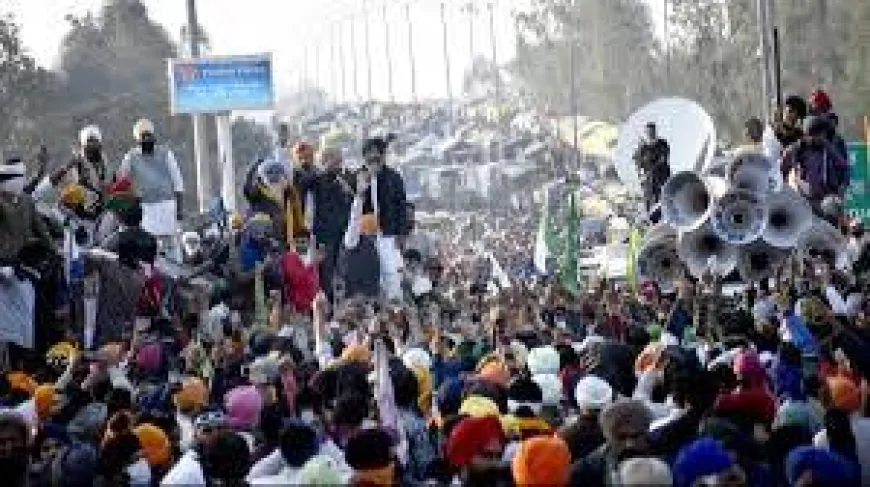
(73, 195)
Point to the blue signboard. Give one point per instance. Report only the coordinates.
(221, 84)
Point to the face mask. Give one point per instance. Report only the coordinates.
(147, 146)
(92, 154)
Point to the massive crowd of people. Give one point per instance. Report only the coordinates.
(321, 337)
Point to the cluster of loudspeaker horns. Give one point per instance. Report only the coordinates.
(748, 220)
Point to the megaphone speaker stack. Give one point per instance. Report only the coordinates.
(699, 247)
(788, 216)
(739, 217)
(685, 201)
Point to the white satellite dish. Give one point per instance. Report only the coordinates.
(685, 125)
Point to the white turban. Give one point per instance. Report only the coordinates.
(142, 126)
(90, 132)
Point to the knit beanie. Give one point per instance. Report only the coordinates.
(193, 395)
(844, 394)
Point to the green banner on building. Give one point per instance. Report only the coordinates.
(858, 194)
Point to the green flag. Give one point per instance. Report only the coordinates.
(634, 239)
(568, 260)
(546, 242)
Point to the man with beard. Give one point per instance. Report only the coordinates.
(155, 174)
(625, 425)
(14, 440)
(331, 195)
(385, 196)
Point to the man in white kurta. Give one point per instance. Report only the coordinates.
(156, 178)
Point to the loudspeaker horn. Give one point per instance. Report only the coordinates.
(684, 124)
(739, 217)
(824, 240)
(657, 260)
(686, 199)
(753, 171)
(702, 247)
(758, 261)
(789, 215)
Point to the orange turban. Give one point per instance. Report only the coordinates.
(543, 460)
(193, 395)
(44, 400)
(155, 444)
(844, 394)
(19, 381)
(495, 372)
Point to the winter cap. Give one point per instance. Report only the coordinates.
(543, 360)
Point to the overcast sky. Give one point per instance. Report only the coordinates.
(290, 28)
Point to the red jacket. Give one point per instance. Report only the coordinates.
(301, 281)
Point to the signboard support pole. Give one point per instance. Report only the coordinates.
(203, 177)
(225, 151)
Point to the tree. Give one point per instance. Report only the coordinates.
(616, 58)
(114, 67)
(714, 60)
(482, 79)
(25, 91)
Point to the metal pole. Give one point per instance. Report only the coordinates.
(341, 62)
(203, 176)
(354, 64)
(333, 68)
(225, 154)
(574, 122)
(389, 56)
(368, 54)
(447, 62)
(492, 41)
(411, 52)
(666, 22)
(765, 64)
(777, 66)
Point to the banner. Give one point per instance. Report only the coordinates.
(858, 194)
(221, 84)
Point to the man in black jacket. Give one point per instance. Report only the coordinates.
(332, 195)
(386, 198)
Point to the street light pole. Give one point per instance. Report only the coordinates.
(447, 62)
(368, 53)
(354, 65)
(389, 56)
(341, 62)
(411, 52)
